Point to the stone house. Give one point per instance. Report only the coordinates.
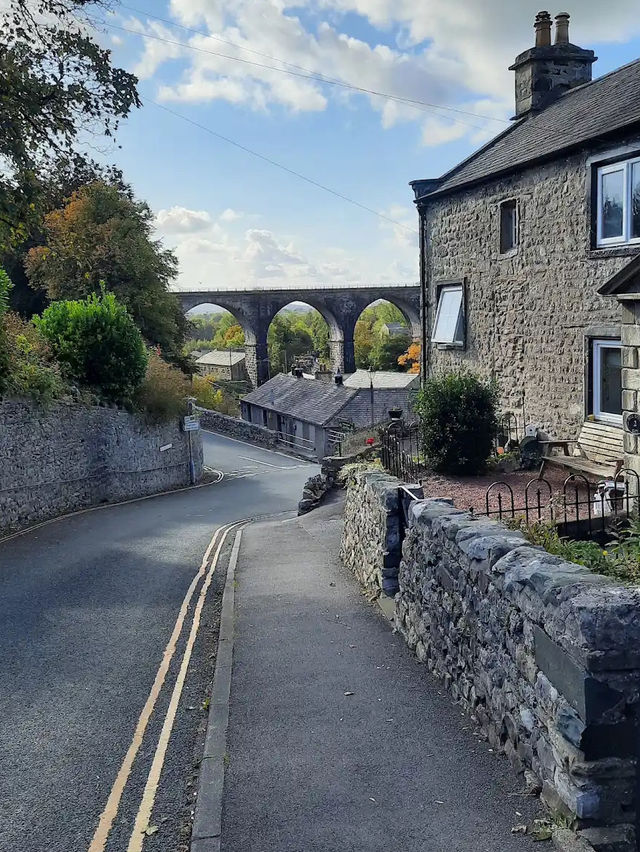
(524, 243)
(310, 413)
(223, 364)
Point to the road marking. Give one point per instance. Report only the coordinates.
(86, 511)
(254, 446)
(110, 811)
(268, 464)
(143, 816)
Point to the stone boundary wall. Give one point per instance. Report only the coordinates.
(371, 544)
(68, 457)
(544, 654)
(234, 427)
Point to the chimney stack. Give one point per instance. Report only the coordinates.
(542, 27)
(562, 28)
(338, 377)
(546, 71)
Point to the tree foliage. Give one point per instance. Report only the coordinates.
(410, 359)
(458, 421)
(103, 237)
(96, 343)
(5, 288)
(373, 348)
(58, 89)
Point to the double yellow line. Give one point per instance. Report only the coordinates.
(108, 815)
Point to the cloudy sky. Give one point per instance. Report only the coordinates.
(248, 70)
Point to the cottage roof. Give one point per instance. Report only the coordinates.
(597, 109)
(221, 358)
(381, 379)
(304, 399)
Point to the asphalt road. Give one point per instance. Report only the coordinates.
(87, 607)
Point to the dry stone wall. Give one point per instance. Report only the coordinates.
(543, 653)
(371, 545)
(69, 457)
(234, 427)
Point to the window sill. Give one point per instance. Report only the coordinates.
(610, 420)
(444, 346)
(506, 255)
(605, 252)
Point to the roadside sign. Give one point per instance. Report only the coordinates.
(190, 423)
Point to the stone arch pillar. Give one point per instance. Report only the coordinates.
(257, 356)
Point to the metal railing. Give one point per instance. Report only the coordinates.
(401, 451)
(581, 509)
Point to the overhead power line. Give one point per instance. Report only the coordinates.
(302, 73)
(282, 167)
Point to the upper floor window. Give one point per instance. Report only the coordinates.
(448, 327)
(508, 226)
(619, 203)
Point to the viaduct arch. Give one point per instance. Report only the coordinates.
(340, 305)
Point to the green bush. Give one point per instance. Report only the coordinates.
(5, 286)
(458, 421)
(32, 372)
(162, 395)
(96, 343)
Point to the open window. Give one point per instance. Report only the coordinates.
(448, 327)
(607, 380)
(508, 226)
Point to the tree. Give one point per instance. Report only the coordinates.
(363, 342)
(386, 353)
(102, 237)
(56, 84)
(229, 333)
(96, 343)
(286, 340)
(411, 358)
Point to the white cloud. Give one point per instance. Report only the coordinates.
(181, 220)
(230, 215)
(448, 52)
(211, 252)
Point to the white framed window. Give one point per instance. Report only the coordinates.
(448, 327)
(619, 203)
(508, 226)
(607, 380)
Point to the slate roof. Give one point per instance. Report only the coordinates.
(606, 105)
(305, 399)
(221, 358)
(381, 379)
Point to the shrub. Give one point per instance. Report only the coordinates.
(5, 286)
(212, 398)
(162, 394)
(96, 343)
(32, 371)
(457, 414)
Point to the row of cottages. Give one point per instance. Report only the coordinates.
(526, 244)
(310, 415)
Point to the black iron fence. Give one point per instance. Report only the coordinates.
(580, 509)
(401, 451)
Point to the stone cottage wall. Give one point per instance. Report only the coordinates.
(70, 457)
(543, 653)
(530, 313)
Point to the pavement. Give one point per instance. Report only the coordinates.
(87, 608)
(338, 738)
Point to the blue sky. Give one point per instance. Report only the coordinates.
(236, 220)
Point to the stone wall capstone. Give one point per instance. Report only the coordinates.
(68, 457)
(543, 653)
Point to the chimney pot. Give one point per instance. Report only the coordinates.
(562, 28)
(542, 27)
